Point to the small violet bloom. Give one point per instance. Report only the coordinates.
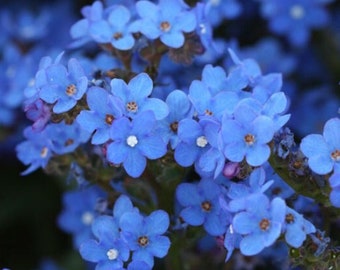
(323, 151)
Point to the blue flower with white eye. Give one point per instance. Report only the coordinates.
(167, 20)
(80, 208)
(114, 29)
(135, 96)
(323, 151)
(260, 224)
(62, 86)
(133, 141)
(108, 250)
(295, 19)
(104, 110)
(144, 235)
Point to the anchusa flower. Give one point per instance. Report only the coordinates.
(295, 19)
(80, 208)
(323, 151)
(260, 224)
(166, 20)
(133, 141)
(62, 86)
(201, 206)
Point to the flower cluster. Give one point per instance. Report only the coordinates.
(175, 126)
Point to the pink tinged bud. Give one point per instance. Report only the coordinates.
(231, 169)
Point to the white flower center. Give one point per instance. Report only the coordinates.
(112, 254)
(215, 2)
(201, 141)
(297, 11)
(87, 218)
(131, 140)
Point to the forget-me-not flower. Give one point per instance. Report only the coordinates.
(104, 109)
(133, 141)
(145, 235)
(168, 20)
(323, 151)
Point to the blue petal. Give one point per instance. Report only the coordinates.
(321, 164)
(91, 251)
(134, 163)
(185, 154)
(157, 222)
(160, 246)
(193, 215)
(187, 194)
(257, 155)
(173, 39)
(105, 228)
(117, 152)
(314, 144)
(252, 244)
(141, 85)
(331, 133)
(119, 16)
(153, 147)
(159, 107)
(244, 223)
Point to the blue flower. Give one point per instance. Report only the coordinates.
(179, 108)
(80, 208)
(219, 10)
(62, 86)
(134, 141)
(66, 138)
(260, 224)
(108, 250)
(247, 136)
(201, 206)
(104, 110)
(295, 18)
(144, 235)
(296, 227)
(323, 151)
(35, 151)
(114, 29)
(81, 30)
(135, 96)
(168, 20)
(334, 182)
